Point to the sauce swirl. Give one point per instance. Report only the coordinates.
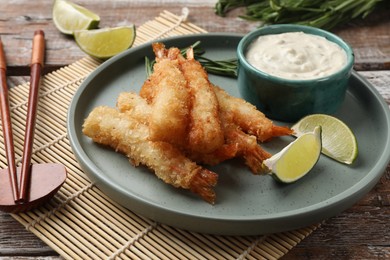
(296, 55)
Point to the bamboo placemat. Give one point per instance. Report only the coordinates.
(81, 222)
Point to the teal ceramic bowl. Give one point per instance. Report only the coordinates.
(289, 100)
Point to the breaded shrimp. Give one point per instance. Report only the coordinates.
(166, 91)
(248, 148)
(124, 134)
(205, 133)
(223, 153)
(246, 116)
(148, 89)
(136, 106)
(237, 143)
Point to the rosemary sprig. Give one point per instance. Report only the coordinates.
(317, 13)
(218, 67)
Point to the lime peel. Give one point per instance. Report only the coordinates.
(338, 140)
(69, 17)
(296, 159)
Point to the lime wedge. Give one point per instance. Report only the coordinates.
(107, 42)
(69, 17)
(296, 159)
(338, 140)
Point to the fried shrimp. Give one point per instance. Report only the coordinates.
(131, 103)
(166, 91)
(223, 153)
(205, 133)
(237, 143)
(246, 116)
(248, 148)
(135, 106)
(126, 135)
(179, 121)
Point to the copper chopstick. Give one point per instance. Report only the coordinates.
(7, 125)
(38, 50)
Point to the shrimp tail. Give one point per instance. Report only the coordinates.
(280, 131)
(254, 160)
(203, 183)
(190, 53)
(248, 148)
(159, 50)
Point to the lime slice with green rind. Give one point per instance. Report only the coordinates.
(296, 159)
(107, 42)
(69, 17)
(338, 140)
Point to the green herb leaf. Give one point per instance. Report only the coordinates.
(218, 67)
(316, 13)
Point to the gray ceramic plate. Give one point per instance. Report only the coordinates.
(246, 204)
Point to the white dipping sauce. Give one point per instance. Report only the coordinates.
(296, 55)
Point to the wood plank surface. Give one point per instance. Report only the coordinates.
(369, 37)
(361, 232)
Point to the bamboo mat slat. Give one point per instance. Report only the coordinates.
(81, 222)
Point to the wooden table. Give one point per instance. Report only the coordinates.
(360, 232)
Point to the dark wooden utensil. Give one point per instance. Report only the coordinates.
(39, 182)
(6, 124)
